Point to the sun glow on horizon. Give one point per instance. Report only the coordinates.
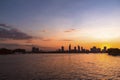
(107, 45)
(103, 34)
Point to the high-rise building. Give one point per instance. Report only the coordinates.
(75, 50)
(78, 48)
(81, 48)
(69, 47)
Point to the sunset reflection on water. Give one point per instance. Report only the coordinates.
(59, 67)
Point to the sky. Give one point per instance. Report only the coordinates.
(50, 24)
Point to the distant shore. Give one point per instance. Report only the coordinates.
(114, 51)
(110, 51)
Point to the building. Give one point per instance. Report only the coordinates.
(35, 50)
(75, 50)
(104, 49)
(62, 48)
(94, 49)
(82, 49)
(78, 48)
(69, 47)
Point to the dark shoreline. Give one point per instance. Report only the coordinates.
(50, 53)
(110, 51)
(114, 51)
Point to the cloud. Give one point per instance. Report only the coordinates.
(67, 40)
(47, 39)
(1, 39)
(4, 25)
(15, 46)
(70, 30)
(24, 46)
(29, 41)
(7, 32)
(44, 31)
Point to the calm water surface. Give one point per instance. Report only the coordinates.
(59, 67)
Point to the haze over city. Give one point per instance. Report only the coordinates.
(50, 24)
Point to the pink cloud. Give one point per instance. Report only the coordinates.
(70, 30)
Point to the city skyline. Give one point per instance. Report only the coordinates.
(73, 49)
(48, 24)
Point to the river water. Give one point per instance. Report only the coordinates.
(59, 67)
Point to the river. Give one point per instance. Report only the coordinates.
(59, 67)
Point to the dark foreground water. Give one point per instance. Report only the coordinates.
(59, 67)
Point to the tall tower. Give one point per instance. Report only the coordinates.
(78, 48)
(69, 47)
(75, 50)
(82, 50)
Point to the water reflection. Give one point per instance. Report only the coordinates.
(59, 67)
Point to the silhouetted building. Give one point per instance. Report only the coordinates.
(75, 50)
(62, 48)
(70, 48)
(35, 50)
(83, 50)
(98, 50)
(19, 51)
(94, 49)
(78, 48)
(104, 49)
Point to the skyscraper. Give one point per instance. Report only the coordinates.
(78, 48)
(69, 47)
(75, 50)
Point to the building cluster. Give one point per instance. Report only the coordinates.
(79, 49)
(36, 50)
(98, 50)
(9, 51)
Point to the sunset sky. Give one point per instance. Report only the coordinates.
(49, 24)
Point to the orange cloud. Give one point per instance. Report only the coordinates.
(47, 39)
(67, 40)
